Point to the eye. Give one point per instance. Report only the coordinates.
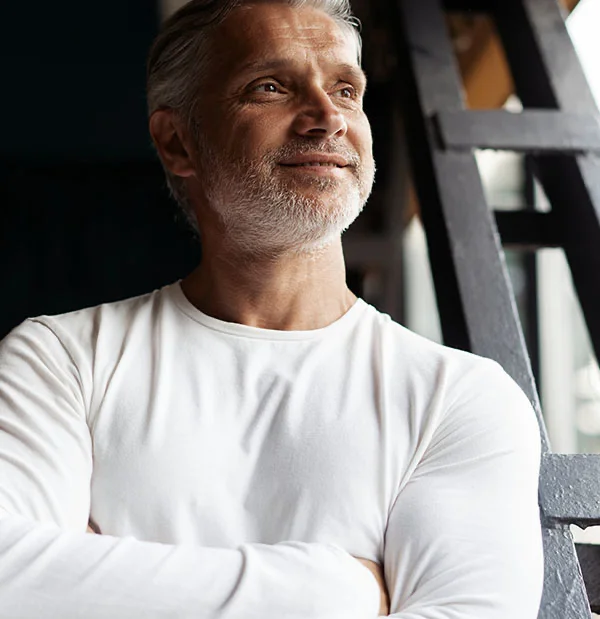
(348, 92)
(268, 87)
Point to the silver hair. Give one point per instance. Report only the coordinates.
(179, 58)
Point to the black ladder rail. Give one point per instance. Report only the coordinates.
(475, 298)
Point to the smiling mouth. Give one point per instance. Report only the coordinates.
(312, 164)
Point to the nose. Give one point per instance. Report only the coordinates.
(319, 117)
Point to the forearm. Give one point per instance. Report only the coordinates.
(47, 572)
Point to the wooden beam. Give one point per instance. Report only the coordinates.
(529, 131)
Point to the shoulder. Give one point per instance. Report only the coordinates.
(456, 390)
(80, 336)
(109, 321)
(416, 356)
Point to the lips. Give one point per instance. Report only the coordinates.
(313, 164)
(316, 160)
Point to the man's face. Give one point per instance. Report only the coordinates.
(285, 153)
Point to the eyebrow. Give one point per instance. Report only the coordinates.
(354, 71)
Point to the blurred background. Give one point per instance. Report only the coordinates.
(85, 216)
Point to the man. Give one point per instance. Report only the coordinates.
(246, 438)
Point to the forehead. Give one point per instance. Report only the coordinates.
(260, 31)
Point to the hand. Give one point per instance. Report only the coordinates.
(377, 571)
(93, 528)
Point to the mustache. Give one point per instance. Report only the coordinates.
(302, 147)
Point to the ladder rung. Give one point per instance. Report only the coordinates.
(569, 489)
(528, 229)
(535, 131)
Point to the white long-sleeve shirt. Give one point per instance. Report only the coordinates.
(233, 470)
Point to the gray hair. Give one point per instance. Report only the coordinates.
(179, 58)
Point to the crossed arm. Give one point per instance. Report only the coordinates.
(463, 538)
(374, 568)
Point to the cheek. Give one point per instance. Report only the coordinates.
(363, 139)
(228, 134)
(251, 136)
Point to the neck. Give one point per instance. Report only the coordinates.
(296, 291)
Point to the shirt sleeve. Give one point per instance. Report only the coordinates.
(464, 536)
(51, 568)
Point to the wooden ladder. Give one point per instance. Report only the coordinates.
(559, 129)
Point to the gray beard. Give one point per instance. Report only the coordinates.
(267, 215)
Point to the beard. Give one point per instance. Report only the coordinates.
(267, 211)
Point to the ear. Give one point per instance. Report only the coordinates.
(170, 141)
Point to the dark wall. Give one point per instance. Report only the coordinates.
(84, 213)
(73, 78)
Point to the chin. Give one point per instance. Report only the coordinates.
(295, 238)
(274, 219)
